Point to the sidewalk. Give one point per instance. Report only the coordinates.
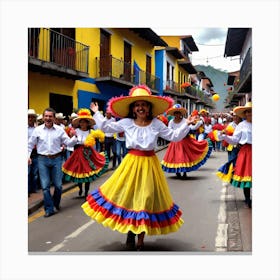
(239, 218)
(35, 201)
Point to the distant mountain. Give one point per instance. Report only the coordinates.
(219, 81)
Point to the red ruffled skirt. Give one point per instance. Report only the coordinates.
(84, 165)
(240, 175)
(186, 155)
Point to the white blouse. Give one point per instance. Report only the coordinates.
(142, 137)
(242, 134)
(174, 125)
(81, 135)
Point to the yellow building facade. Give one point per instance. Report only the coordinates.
(55, 88)
(71, 67)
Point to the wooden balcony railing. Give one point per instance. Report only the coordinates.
(112, 67)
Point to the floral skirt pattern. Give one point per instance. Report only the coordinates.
(240, 174)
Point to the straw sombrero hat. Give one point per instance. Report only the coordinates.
(83, 114)
(239, 110)
(73, 116)
(203, 111)
(31, 112)
(176, 108)
(119, 106)
(60, 116)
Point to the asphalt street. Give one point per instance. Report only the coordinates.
(215, 219)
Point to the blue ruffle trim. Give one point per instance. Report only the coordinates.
(130, 214)
(225, 168)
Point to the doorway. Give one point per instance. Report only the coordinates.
(61, 103)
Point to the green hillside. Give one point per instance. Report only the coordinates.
(218, 78)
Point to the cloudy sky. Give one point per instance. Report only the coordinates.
(211, 45)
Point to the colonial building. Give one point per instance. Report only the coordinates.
(239, 43)
(70, 67)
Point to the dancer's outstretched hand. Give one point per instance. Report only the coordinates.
(94, 107)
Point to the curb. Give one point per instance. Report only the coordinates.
(39, 203)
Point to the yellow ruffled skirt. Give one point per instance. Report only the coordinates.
(135, 198)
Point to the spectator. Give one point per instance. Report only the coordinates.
(110, 141)
(69, 149)
(33, 167)
(40, 119)
(207, 127)
(121, 150)
(59, 119)
(49, 139)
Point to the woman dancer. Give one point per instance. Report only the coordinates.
(188, 154)
(85, 164)
(238, 171)
(136, 200)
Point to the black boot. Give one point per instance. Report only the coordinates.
(247, 194)
(130, 240)
(81, 189)
(178, 175)
(86, 189)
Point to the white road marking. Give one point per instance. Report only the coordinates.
(70, 236)
(222, 236)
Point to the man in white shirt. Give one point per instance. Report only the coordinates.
(49, 139)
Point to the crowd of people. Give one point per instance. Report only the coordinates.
(135, 200)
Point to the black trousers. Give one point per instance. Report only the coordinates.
(247, 193)
(110, 144)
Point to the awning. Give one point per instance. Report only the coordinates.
(190, 43)
(174, 52)
(149, 35)
(187, 66)
(235, 41)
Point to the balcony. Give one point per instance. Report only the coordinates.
(245, 78)
(172, 87)
(117, 71)
(200, 96)
(234, 99)
(53, 53)
(192, 92)
(175, 88)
